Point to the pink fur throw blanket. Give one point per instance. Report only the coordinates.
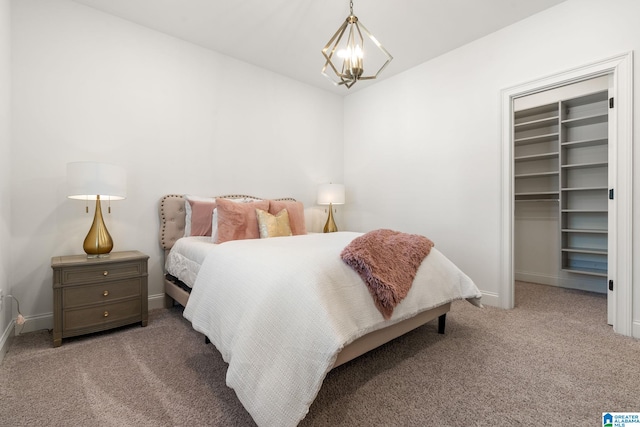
(387, 261)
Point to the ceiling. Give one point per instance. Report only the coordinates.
(286, 36)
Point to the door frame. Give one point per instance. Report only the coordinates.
(621, 128)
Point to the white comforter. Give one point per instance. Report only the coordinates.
(186, 258)
(280, 310)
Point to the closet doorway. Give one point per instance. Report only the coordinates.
(567, 185)
(561, 183)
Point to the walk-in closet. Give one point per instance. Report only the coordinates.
(561, 176)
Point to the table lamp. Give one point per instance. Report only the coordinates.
(96, 181)
(330, 194)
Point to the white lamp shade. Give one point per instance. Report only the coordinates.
(86, 180)
(331, 193)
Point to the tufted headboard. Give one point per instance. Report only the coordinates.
(173, 215)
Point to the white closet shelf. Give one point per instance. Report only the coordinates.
(587, 120)
(583, 231)
(602, 272)
(583, 188)
(586, 251)
(538, 123)
(537, 193)
(541, 156)
(586, 165)
(536, 174)
(536, 139)
(585, 143)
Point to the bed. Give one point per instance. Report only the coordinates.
(296, 311)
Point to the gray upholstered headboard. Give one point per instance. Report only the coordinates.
(172, 220)
(172, 217)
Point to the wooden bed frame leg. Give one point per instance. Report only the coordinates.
(441, 323)
(168, 301)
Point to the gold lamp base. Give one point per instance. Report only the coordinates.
(330, 226)
(98, 242)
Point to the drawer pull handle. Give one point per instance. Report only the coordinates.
(104, 273)
(105, 293)
(106, 314)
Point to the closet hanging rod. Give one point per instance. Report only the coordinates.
(538, 200)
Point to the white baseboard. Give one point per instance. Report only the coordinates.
(35, 323)
(156, 301)
(587, 283)
(635, 329)
(6, 339)
(490, 298)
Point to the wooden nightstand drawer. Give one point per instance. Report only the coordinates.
(88, 274)
(74, 296)
(97, 316)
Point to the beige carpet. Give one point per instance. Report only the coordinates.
(551, 358)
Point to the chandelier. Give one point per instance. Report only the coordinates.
(351, 50)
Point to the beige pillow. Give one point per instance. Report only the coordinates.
(238, 221)
(295, 211)
(273, 225)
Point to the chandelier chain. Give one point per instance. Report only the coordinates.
(351, 6)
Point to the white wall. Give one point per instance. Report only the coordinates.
(179, 118)
(5, 167)
(423, 149)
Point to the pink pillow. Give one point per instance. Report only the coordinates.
(238, 221)
(201, 214)
(296, 214)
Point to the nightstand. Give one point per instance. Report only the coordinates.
(96, 294)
